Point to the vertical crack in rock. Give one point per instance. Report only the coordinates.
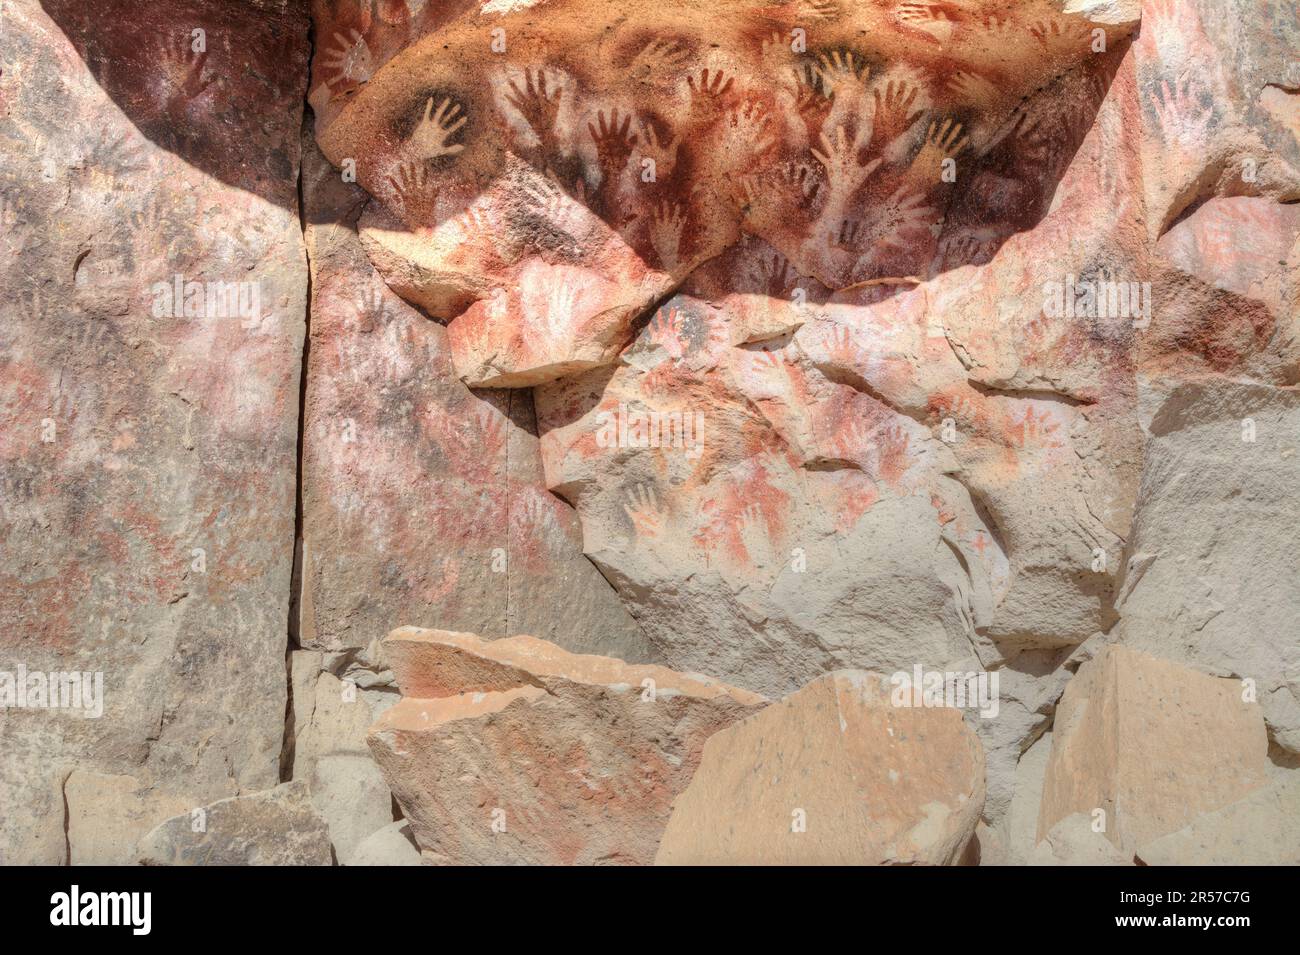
(510, 416)
(293, 642)
(67, 821)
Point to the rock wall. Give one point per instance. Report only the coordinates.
(770, 342)
(149, 437)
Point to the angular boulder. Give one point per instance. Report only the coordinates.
(1076, 840)
(1145, 746)
(331, 714)
(835, 774)
(515, 751)
(1214, 582)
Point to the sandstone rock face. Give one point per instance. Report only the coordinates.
(423, 500)
(515, 751)
(835, 774)
(331, 714)
(1022, 817)
(763, 340)
(392, 845)
(520, 320)
(276, 827)
(797, 190)
(1214, 580)
(1143, 746)
(1029, 688)
(148, 448)
(1262, 828)
(107, 816)
(876, 414)
(1075, 840)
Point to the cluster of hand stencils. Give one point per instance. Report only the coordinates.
(866, 144)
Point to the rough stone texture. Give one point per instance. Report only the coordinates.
(1029, 687)
(107, 815)
(823, 234)
(276, 827)
(392, 845)
(516, 751)
(32, 828)
(1214, 577)
(518, 321)
(1152, 744)
(1219, 108)
(1074, 841)
(900, 453)
(781, 176)
(790, 559)
(331, 714)
(1263, 828)
(1021, 827)
(835, 774)
(147, 461)
(423, 500)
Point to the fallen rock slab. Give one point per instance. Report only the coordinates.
(515, 751)
(1151, 745)
(276, 827)
(834, 774)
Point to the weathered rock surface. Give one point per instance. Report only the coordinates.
(1145, 746)
(759, 340)
(1029, 687)
(276, 827)
(1078, 839)
(392, 845)
(423, 500)
(873, 425)
(519, 320)
(813, 436)
(107, 816)
(1074, 840)
(795, 546)
(1262, 828)
(147, 445)
(1214, 577)
(1021, 828)
(331, 714)
(515, 751)
(835, 774)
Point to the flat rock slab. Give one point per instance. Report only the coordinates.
(834, 774)
(514, 751)
(276, 827)
(1215, 579)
